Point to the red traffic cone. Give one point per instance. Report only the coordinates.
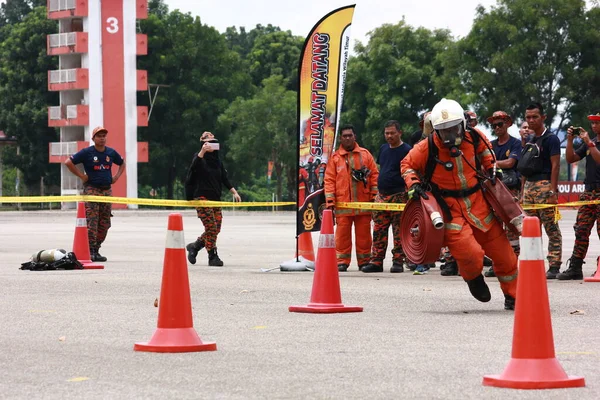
(326, 296)
(305, 247)
(596, 276)
(533, 364)
(81, 244)
(175, 331)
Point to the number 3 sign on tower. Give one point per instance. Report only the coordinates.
(113, 25)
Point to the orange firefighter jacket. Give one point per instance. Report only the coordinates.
(341, 187)
(473, 208)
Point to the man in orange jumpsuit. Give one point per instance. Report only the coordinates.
(351, 176)
(471, 229)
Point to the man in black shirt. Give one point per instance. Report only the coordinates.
(204, 181)
(589, 214)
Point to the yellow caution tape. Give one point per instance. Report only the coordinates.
(146, 202)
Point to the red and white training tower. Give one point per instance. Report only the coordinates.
(97, 46)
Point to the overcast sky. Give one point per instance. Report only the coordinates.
(300, 16)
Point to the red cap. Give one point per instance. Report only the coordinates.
(500, 115)
(97, 130)
(594, 117)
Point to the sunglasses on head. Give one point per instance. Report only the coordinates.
(498, 125)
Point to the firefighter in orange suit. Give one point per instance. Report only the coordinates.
(446, 165)
(351, 176)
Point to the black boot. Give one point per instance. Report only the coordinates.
(98, 257)
(573, 272)
(397, 267)
(451, 269)
(479, 289)
(509, 302)
(343, 267)
(552, 272)
(213, 258)
(193, 249)
(372, 268)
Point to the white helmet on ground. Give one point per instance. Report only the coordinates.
(446, 114)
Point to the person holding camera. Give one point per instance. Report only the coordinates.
(351, 176)
(508, 151)
(587, 214)
(204, 181)
(539, 166)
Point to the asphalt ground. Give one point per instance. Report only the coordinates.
(70, 334)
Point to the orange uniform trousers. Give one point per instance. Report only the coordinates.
(469, 244)
(343, 238)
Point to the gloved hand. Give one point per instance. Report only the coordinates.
(493, 176)
(332, 208)
(417, 191)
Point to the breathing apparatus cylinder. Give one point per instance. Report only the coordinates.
(49, 256)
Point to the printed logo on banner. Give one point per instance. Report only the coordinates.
(309, 219)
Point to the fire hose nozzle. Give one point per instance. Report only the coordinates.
(436, 218)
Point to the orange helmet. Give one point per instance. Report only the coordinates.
(500, 115)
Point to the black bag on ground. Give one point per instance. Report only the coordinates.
(531, 162)
(67, 263)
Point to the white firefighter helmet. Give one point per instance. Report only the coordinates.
(446, 114)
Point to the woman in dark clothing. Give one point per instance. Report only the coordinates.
(204, 181)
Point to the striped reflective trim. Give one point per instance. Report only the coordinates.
(453, 227)
(329, 195)
(485, 153)
(489, 218)
(473, 218)
(531, 248)
(363, 256)
(408, 171)
(343, 255)
(460, 171)
(326, 241)
(80, 222)
(175, 240)
(508, 278)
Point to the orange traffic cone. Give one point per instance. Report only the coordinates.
(305, 255)
(81, 244)
(533, 364)
(326, 296)
(596, 276)
(175, 331)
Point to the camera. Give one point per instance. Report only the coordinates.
(576, 130)
(214, 146)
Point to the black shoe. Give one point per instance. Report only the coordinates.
(372, 268)
(451, 269)
(573, 272)
(552, 272)
(193, 249)
(97, 257)
(343, 267)
(509, 302)
(490, 273)
(411, 266)
(213, 258)
(397, 268)
(479, 289)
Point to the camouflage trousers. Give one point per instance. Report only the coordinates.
(212, 218)
(513, 238)
(382, 221)
(587, 215)
(537, 193)
(98, 217)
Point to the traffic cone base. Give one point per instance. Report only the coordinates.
(314, 308)
(178, 340)
(521, 373)
(326, 297)
(92, 265)
(596, 276)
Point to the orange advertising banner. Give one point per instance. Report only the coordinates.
(322, 74)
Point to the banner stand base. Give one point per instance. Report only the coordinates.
(296, 265)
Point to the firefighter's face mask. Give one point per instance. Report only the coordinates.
(452, 137)
(361, 175)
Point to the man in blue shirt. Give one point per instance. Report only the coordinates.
(97, 162)
(507, 150)
(391, 189)
(542, 187)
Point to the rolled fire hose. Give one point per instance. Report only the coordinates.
(422, 230)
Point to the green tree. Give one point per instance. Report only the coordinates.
(391, 78)
(13, 11)
(24, 95)
(260, 129)
(242, 42)
(518, 52)
(203, 75)
(276, 53)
